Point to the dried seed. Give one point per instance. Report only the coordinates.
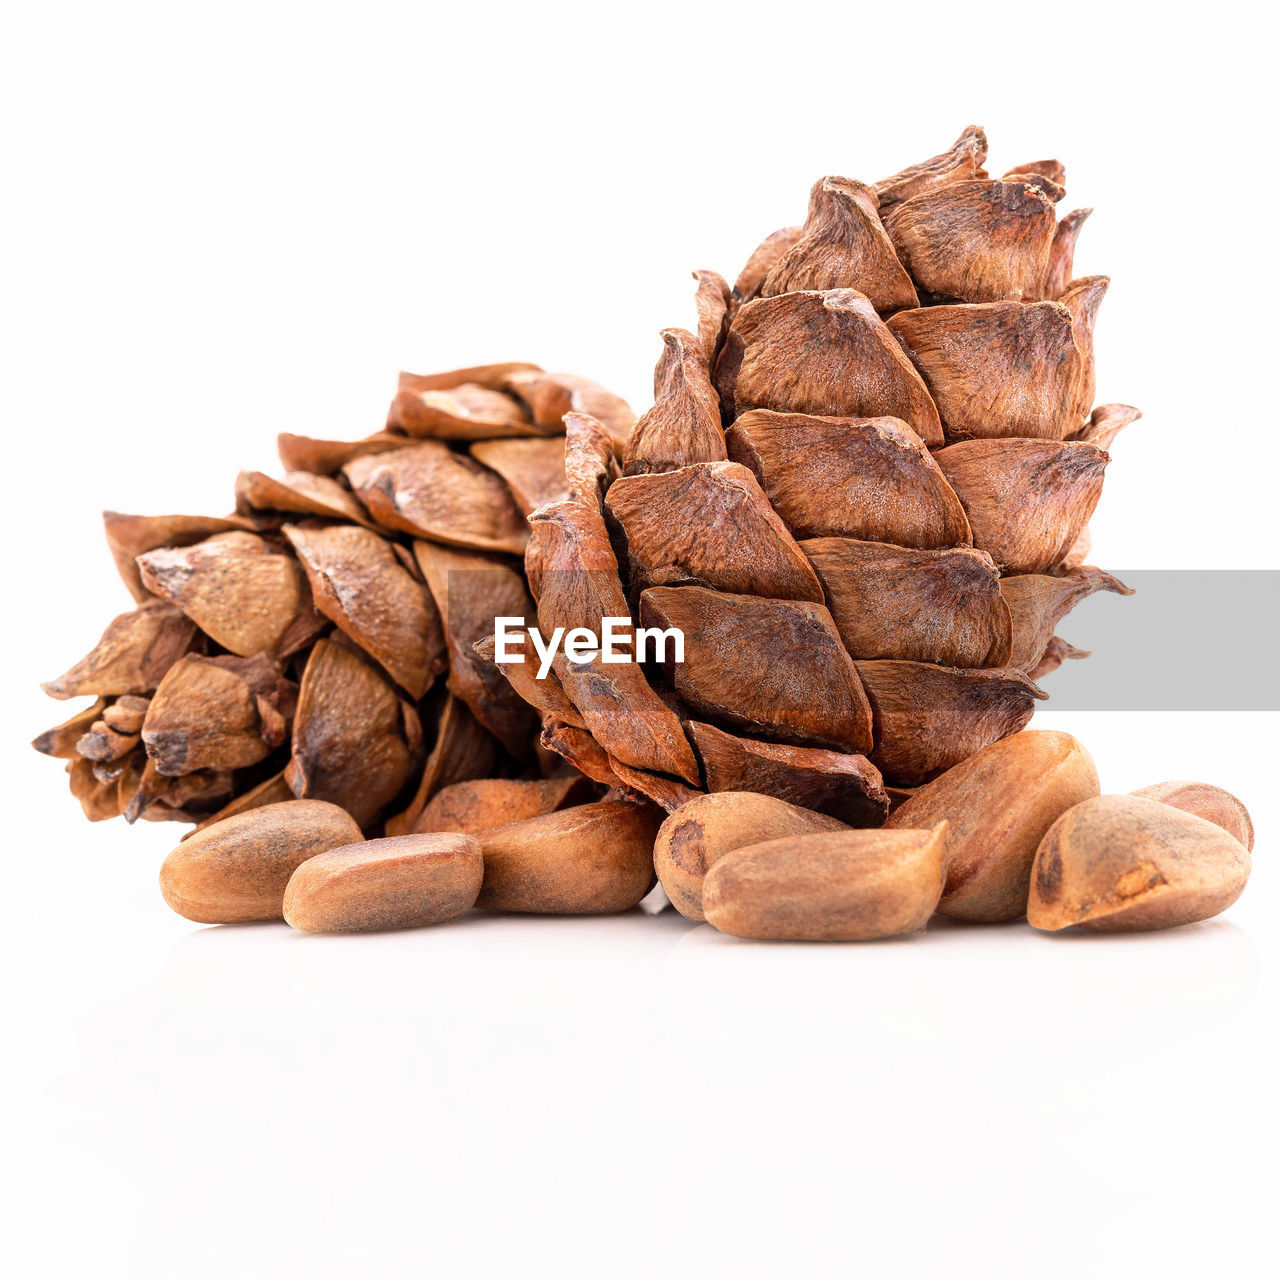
(999, 804)
(470, 591)
(399, 882)
(764, 257)
(790, 677)
(962, 162)
(129, 536)
(533, 469)
(997, 369)
(928, 718)
(463, 750)
(593, 859)
(838, 783)
(579, 588)
(589, 462)
(1027, 500)
(844, 246)
(239, 589)
(135, 651)
(1205, 801)
(924, 606)
(684, 424)
(327, 457)
(840, 886)
(707, 828)
(430, 491)
(551, 395)
(60, 741)
(1038, 602)
(237, 870)
(708, 523)
(218, 713)
(869, 478)
(976, 241)
(712, 301)
(300, 492)
(1120, 863)
(1106, 422)
(1062, 252)
(484, 803)
(349, 742)
(358, 583)
(467, 411)
(821, 353)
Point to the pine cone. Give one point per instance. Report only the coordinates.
(862, 494)
(296, 647)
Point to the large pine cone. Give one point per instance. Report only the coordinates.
(861, 493)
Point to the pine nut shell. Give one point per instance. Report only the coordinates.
(843, 886)
(1122, 863)
(397, 882)
(237, 869)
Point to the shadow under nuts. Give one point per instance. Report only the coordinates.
(840, 886)
(999, 804)
(707, 828)
(397, 882)
(237, 869)
(592, 859)
(1128, 863)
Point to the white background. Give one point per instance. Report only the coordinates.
(225, 221)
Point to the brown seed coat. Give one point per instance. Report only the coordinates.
(844, 886)
(593, 859)
(999, 803)
(1211, 803)
(1124, 863)
(484, 803)
(237, 870)
(704, 829)
(397, 882)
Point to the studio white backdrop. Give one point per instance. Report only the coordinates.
(223, 222)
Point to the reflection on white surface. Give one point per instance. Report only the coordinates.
(508, 1088)
(638, 1095)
